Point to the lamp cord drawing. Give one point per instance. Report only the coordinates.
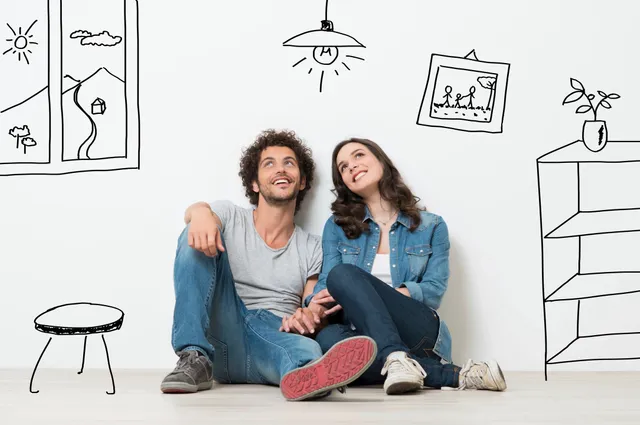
(64, 319)
(326, 43)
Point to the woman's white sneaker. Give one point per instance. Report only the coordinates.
(404, 374)
(481, 376)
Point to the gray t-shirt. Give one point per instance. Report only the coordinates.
(272, 279)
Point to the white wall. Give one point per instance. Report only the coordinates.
(214, 73)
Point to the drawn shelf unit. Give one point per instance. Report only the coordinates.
(581, 211)
(69, 87)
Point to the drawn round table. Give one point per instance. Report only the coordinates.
(81, 318)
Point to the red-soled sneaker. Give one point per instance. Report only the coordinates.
(339, 366)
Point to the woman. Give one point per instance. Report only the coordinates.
(385, 271)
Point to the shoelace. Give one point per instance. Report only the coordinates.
(471, 377)
(187, 358)
(406, 362)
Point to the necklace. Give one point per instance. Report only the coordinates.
(384, 223)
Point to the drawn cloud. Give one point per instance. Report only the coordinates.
(101, 39)
(80, 34)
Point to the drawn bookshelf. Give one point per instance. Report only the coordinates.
(565, 228)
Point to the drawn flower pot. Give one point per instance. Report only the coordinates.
(594, 134)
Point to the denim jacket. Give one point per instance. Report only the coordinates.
(419, 259)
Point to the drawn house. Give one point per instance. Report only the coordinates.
(98, 106)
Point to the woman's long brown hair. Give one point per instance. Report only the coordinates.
(349, 208)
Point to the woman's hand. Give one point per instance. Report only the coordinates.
(404, 291)
(304, 321)
(324, 297)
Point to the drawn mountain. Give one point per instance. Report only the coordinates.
(94, 116)
(94, 119)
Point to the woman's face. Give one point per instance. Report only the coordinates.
(359, 168)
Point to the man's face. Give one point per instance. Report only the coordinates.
(279, 178)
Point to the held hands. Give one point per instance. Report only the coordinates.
(204, 235)
(304, 321)
(323, 298)
(308, 320)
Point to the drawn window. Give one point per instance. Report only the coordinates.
(83, 114)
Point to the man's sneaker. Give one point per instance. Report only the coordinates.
(193, 373)
(482, 376)
(340, 365)
(404, 374)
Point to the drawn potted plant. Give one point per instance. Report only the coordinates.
(594, 132)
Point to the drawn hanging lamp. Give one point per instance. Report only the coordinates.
(325, 43)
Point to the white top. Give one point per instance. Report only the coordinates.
(381, 268)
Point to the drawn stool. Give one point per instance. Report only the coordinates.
(79, 319)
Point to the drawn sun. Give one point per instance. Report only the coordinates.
(20, 43)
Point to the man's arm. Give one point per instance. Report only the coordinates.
(205, 227)
(308, 287)
(198, 208)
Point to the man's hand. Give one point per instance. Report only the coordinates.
(404, 291)
(204, 235)
(304, 322)
(324, 297)
(318, 309)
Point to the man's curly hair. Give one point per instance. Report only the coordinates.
(251, 159)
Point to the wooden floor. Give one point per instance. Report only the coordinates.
(66, 398)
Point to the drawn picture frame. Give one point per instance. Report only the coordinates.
(460, 81)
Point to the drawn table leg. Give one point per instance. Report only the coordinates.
(84, 350)
(36, 368)
(113, 385)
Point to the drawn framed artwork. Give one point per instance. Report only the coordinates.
(464, 93)
(69, 93)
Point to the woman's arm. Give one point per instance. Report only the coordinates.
(330, 257)
(433, 283)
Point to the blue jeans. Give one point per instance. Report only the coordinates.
(245, 346)
(394, 321)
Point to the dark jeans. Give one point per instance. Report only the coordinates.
(394, 321)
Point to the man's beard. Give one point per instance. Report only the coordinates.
(278, 201)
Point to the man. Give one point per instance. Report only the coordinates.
(238, 272)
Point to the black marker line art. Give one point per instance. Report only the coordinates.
(594, 132)
(79, 319)
(581, 230)
(464, 93)
(99, 97)
(25, 115)
(21, 42)
(103, 39)
(325, 45)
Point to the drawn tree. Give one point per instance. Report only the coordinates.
(28, 142)
(19, 132)
(488, 83)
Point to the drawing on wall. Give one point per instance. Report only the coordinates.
(21, 42)
(99, 121)
(324, 49)
(25, 109)
(586, 228)
(594, 132)
(79, 319)
(464, 93)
